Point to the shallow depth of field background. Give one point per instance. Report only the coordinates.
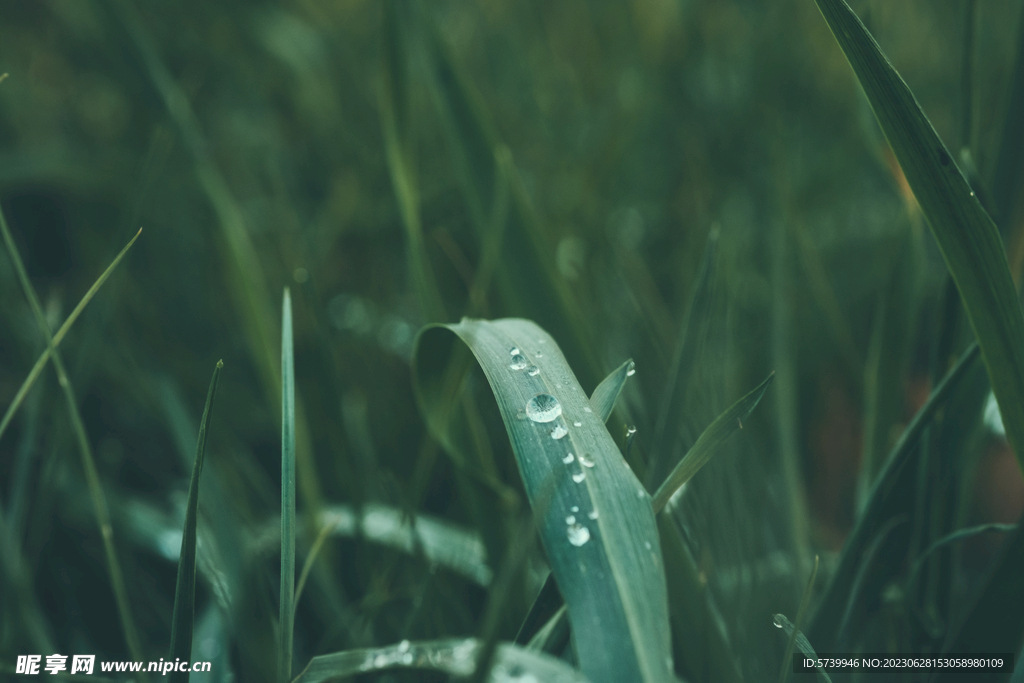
(637, 129)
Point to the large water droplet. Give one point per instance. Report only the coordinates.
(578, 534)
(515, 351)
(777, 621)
(631, 370)
(630, 431)
(568, 458)
(585, 461)
(533, 371)
(592, 514)
(579, 477)
(518, 362)
(543, 408)
(559, 431)
(570, 520)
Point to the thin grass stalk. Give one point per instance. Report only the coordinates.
(287, 606)
(58, 337)
(99, 502)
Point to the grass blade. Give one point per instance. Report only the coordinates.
(608, 562)
(454, 657)
(183, 616)
(957, 536)
(59, 336)
(287, 607)
(890, 491)
(724, 426)
(787, 661)
(88, 462)
(607, 392)
(800, 640)
(966, 235)
(692, 334)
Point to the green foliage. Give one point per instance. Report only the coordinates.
(686, 199)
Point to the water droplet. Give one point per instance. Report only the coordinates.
(586, 409)
(630, 431)
(559, 431)
(577, 423)
(533, 371)
(579, 477)
(575, 508)
(585, 461)
(404, 646)
(648, 544)
(631, 369)
(543, 408)
(558, 386)
(592, 514)
(407, 659)
(568, 458)
(570, 520)
(639, 493)
(518, 362)
(578, 534)
(515, 351)
(539, 354)
(380, 661)
(777, 621)
(972, 193)
(520, 414)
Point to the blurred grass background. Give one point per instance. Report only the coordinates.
(246, 138)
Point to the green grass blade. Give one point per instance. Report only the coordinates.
(287, 606)
(19, 397)
(787, 661)
(602, 401)
(800, 640)
(454, 657)
(958, 536)
(92, 478)
(183, 616)
(692, 334)
(396, 122)
(724, 426)
(893, 489)
(965, 233)
(607, 559)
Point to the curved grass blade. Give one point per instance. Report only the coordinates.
(92, 478)
(455, 657)
(724, 426)
(800, 640)
(607, 561)
(287, 606)
(890, 488)
(183, 616)
(607, 392)
(966, 235)
(59, 336)
(958, 536)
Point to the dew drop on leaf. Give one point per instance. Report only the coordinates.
(579, 477)
(578, 534)
(559, 431)
(585, 461)
(518, 362)
(543, 408)
(533, 371)
(568, 458)
(631, 370)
